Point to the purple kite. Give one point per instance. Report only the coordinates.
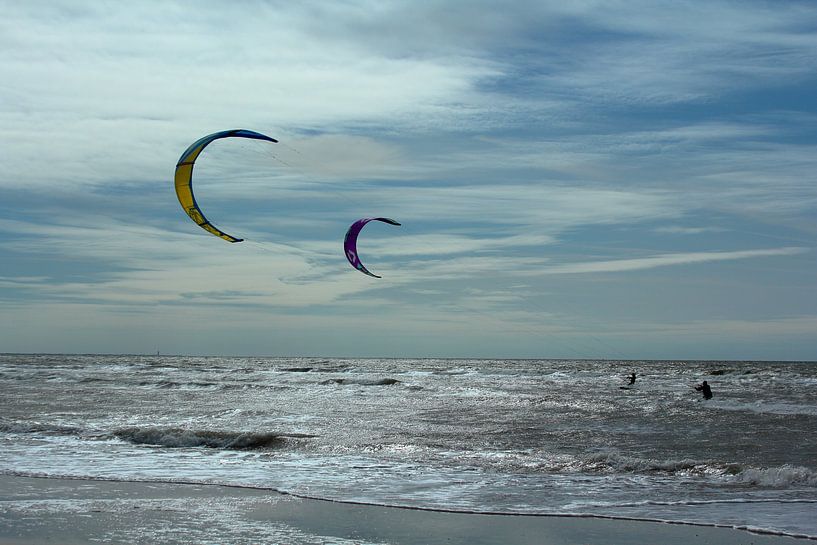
(350, 242)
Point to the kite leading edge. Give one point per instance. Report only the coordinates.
(350, 242)
(184, 177)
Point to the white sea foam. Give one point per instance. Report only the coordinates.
(38, 427)
(778, 477)
(770, 407)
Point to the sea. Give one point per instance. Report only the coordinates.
(543, 437)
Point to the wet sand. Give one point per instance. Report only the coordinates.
(65, 511)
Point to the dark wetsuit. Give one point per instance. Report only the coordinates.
(704, 387)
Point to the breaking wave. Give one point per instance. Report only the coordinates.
(171, 384)
(37, 427)
(182, 438)
(774, 477)
(362, 382)
(615, 463)
(782, 476)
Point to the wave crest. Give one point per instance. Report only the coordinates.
(181, 438)
(38, 427)
(362, 382)
(782, 476)
(615, 463)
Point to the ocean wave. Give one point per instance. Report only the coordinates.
(185, 438)
(585, 505)
(362, 382)
(772, 477)
(766, 407)
(38, 427)
(172, 385)
(165, 384)
(595, 463)
(91, 380)
(254, 386)
(322, 366)
(778, 477)
(618, 464)
(719, 372)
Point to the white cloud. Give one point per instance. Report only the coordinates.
(664, 260)
(122, 104)
(681, 230)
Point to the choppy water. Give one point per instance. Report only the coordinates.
(500, 436)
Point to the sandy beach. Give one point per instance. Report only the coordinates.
(46, 510)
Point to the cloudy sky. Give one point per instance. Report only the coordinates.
(589, 179)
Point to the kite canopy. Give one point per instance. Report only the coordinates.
(184, 177)
(350, 242)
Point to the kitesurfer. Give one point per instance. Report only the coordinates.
(704, 387)
(632, 379)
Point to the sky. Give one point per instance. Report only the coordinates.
(588, 179)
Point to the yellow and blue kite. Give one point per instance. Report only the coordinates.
(184, 177)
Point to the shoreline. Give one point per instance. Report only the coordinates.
(76, 510)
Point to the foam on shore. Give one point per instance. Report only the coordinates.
(37, 510)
